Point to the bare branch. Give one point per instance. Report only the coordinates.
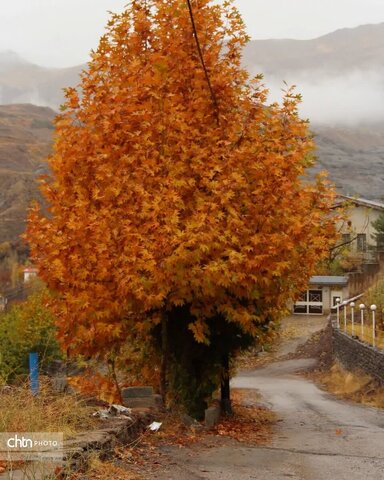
(213, 96)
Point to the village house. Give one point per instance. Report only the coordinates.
(322, 294)
(359, 237)
(357, 231)
(29, 273)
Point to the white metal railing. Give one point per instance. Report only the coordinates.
(363, 326)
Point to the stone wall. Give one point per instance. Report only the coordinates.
(355, 355)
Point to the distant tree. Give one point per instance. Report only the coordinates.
(27, 327)
(378, 225)
(177, 204)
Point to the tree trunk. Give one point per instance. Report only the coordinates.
(225, 387)
(112, 369)
(164, 358)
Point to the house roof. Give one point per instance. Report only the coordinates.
(362, 201)
(328, 280)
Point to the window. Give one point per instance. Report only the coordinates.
(346, 238)
(315, 296)
(303, 297)
(300, 309)
(361, 242)
(310, 302)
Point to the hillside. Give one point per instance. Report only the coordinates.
(343, 51)
(354, 158)
(25, 141)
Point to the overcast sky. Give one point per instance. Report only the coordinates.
(61, 33)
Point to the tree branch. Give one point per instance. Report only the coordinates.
(348, 242)
(213, 96)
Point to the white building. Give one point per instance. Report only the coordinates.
(358, 228)
(322, 295)
(29, 273)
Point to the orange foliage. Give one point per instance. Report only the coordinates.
(96, 384)
(160, 197)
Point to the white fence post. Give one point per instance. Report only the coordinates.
(373, 309)
(362, 307)
(345, 316)
(352, 305)
(338, 312)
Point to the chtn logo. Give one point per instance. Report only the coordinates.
(16, 442)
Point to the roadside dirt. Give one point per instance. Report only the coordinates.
(300, 337)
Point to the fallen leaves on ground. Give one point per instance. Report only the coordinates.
(10, 466)
(254, 359)
(251, 422)
(250, 427)
(106, 470)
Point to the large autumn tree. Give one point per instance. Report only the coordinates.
(177, 193)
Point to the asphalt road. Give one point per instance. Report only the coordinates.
(318, 436)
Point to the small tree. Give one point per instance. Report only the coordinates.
(177, 202)
(378, 225)
(27, 327)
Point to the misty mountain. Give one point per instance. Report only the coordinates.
(341, 79)
(10, 60)
(337, 53)
(24, 82)
(340, 75)
(343, 59)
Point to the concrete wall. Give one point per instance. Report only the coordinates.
(334, 291)
(355, 355)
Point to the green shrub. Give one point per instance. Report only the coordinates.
(27, 327)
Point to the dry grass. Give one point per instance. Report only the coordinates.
(20, 411)
(106, 470)
(366, 335)
(355, 386)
